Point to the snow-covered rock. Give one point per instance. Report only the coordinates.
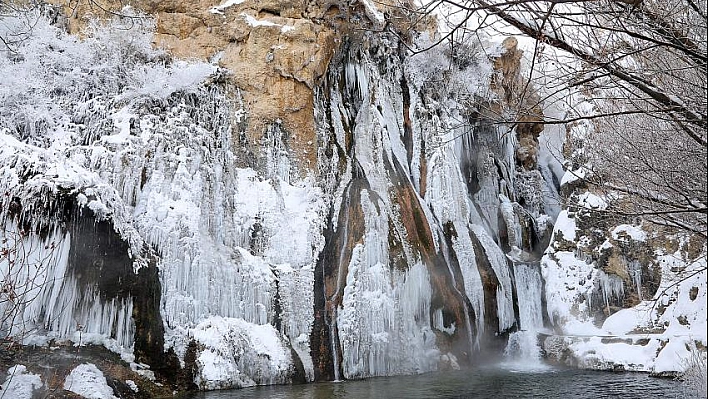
(87, 381)
(19, 383)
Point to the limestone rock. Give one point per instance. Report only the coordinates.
(516, 95)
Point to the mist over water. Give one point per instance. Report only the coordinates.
(484, 382)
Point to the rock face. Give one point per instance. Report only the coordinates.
(522, 98)
(322, 206)
(276, 56)
(275, 52)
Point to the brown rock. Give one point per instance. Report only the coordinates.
(521, 99)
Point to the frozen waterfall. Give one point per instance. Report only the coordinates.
(523, 350)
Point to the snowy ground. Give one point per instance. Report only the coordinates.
(659, 335)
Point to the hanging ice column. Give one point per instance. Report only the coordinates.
(523, 345)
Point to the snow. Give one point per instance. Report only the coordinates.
(87, 381)
(372, 12)
(657, 335)
(592, 201)
(19, 383)
(223, 6)
(132, 385)
(255, 22)
(565, 225)
(676, 355)
(571, 176)
(568, 280)
(593, 353)
(237, 354)
(634, 232)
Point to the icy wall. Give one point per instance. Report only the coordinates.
(389, 258)
(424, 227)
(124, 167)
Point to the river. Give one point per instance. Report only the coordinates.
(481, 382)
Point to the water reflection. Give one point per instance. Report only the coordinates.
(486, 382)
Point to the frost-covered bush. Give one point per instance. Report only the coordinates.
(695, 376)
(452, 72)
(53, 82)
(528, 186)
(80, 118)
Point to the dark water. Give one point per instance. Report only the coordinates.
(487, 382)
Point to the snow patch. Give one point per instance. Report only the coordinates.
(634, 232)
(87, 381)
(255, 22)
(132, 385)
(223, 6)
(20, 384)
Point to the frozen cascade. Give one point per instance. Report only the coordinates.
(487, 198)
(445, 188)
(296, 289)
(202, 212)
(178, 185)
(276, 154)
(499, 262)
(384, 321)
(473, 342)
(523, 348)
(513, 227)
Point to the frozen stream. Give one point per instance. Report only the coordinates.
(483, 382)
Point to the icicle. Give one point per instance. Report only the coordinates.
(635, 271)
(58, 307)
(439, 324)
(498, 261)
(470, 338)
(384, 321)
(611, 286)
